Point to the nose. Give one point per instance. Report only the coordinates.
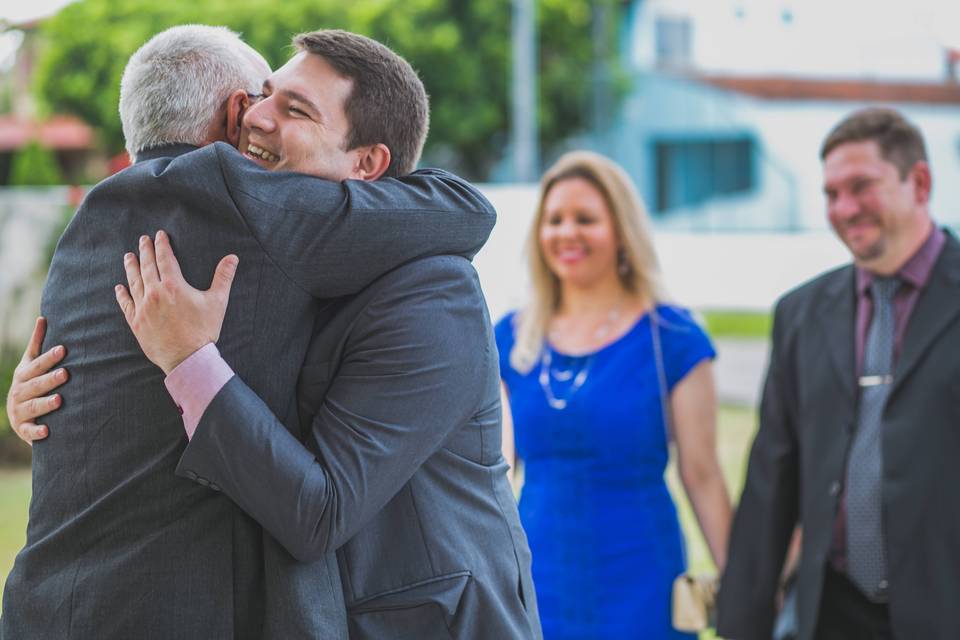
(567, 229)
(260, 116)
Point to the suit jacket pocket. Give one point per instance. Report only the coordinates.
(424, 610)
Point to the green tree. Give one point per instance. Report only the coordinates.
(35, 165)
(461, 50)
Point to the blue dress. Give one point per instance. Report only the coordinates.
(601, 524)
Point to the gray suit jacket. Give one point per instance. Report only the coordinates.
(401, 469)
(117, 545)
(797, 462)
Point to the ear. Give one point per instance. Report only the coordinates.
(237, 104)
(372, 162)
(922, 181)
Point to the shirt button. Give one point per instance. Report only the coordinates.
(179, 409)
(883, 585)
(834, 489)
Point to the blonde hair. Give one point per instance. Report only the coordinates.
(632, 224)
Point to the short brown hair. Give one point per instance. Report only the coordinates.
(388, 103)
(900, 142)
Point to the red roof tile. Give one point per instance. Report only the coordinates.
(787, 88)
(63, 133)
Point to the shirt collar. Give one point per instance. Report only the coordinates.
(165, 151)
(915, 271)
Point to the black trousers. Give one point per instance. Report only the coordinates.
(847, 614)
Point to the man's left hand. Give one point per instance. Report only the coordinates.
(169, 318)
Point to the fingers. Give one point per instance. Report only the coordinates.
(223, 276)
(40, 365)
(134, 280)
(126, 303)
(36, 340)
(167, 264)
(44, 384)
(29, 432)
(148, 263)
(25, 412)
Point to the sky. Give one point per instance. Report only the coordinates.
(20, 10)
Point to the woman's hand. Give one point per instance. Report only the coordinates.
(33, 379)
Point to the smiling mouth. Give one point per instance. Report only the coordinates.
(263, 154)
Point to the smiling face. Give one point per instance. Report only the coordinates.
(877, 214)
(577, 235)
(300, 123)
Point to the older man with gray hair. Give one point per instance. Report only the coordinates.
(118, 546)
(181, 86)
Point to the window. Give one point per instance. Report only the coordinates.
(673, 42)
(690, 171)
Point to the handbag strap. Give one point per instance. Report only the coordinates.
(661, 374)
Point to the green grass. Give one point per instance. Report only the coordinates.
(14, 500)
(735, 431)
(737, 324)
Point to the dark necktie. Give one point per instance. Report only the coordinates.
(866, 560)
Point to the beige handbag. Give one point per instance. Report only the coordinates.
(694, 602)
(694, 597)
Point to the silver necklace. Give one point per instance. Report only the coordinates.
(579, 376)
(545, 383)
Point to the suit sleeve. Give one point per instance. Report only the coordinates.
(768, 509)
(413, 370)
(334, 238)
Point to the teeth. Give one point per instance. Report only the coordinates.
(261, 153)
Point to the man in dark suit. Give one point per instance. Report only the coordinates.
(858, 436)
(118, 546)
(400, 468)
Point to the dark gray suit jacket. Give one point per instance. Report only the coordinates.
(797, 463)
(117, 545)
(401, 469)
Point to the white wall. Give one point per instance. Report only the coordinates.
(838, 38)
(28, 217)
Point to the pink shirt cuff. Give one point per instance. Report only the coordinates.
(195, 382)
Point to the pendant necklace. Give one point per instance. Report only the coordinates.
(579, 376)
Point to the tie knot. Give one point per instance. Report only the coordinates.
(883, 289)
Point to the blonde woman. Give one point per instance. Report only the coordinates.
(600, 373)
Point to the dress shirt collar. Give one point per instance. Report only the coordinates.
(915, 271)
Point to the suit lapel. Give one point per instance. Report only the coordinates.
(837, 317)
(937, 307)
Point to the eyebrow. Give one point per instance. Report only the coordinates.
(296, 95)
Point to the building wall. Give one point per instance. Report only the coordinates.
(787, 137)
(823, 38)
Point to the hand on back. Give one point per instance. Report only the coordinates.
(170, 319)
(33, 379)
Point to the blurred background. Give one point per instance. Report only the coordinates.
(716, 109)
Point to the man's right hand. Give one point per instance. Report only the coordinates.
(32, 380)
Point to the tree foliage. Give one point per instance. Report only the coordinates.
(35, 166)
(461, 50)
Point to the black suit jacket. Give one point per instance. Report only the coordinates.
(117, 545)
(796, 467)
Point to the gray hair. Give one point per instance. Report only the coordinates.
(174, 85)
